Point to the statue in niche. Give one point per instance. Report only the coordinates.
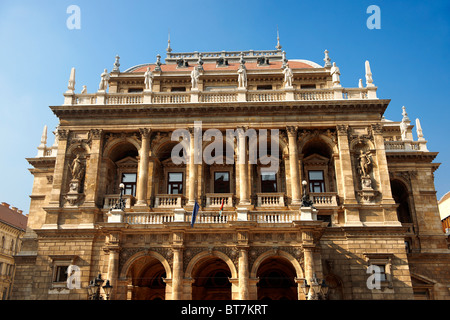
(288, 76)
(195, 74)
(104, 80)
(148, 79)
(364, 163)
(77, 168)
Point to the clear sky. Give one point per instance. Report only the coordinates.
(409, 57)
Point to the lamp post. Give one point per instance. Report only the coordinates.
(94, 289)
(306, 201)
(121, 203)
(317, 290)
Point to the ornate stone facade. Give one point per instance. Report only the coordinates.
(370, 183)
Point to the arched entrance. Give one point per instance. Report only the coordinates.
(277, 280)
(211, 280)
(147, 276)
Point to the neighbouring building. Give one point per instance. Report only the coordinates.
(13, 224)
(340, 193)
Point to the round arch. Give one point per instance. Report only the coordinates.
(280, 253)
(327, 140)
(205, 255)
(142, 254)
(114, 144)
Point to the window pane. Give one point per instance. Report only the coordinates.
(221, 176)
(221, 182)
(315, 175)
(128, 177)
(175, 177)
(268, 176)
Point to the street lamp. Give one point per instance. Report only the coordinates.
(94, 288)
(317, 290)
(120, 205)
(306, 201)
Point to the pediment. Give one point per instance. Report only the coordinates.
(420, 280)
(316, 159)
(127, 162)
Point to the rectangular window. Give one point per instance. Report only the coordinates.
(268, 182)
(316, 181)
(264, 87)
(382, 271)
(175, 183)
(221, 182)
(308, 86)
(129, 181)
(60, 274)
(178, 89)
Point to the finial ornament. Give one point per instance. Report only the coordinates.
(169, 49)
(116, 64)
(369, 80)
(327, 60)
(278, 47)
(419, 130)
(158, 63)
(44, 137)
(71, 84)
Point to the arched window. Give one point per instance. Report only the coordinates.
(401, 197)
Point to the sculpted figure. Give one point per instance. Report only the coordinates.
(335, 73)
(364, 163)
(104, 80)
(288, 76)
(242, 77)
(195, 74)
(148, 79)
(77, 168)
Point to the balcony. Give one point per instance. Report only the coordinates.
(324, 199)
(111, 200)
(147, 97)
(405, 146)
(214, 200)
(270, 199)
(169, 201)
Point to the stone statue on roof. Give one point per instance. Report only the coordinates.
(288, 76)
(104, 80)
(195, 74)
(148, 79)
(335, 74)
(242, 76)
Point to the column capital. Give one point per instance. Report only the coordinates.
(63, 134)
(145, 132)
(342, 129)
(292, 131)
(96, 134)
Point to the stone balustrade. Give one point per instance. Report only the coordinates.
(324, 199)
(224, 96)
(406, 145)
(168, 201)
(110, 200)
(270, 199)
(215, 200)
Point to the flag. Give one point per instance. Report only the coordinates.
(194, 213)
(221, 208)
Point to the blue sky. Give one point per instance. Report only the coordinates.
(408, 57)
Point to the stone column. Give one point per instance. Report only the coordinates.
(60, 165)
(243, 168)
(113, 248)
(177, 277)
(243, 274)
(141, 188)
(93, 167)
(308, 256)
(192, 169)
(293, 165)
(345, 181)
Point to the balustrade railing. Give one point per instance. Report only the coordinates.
(222, 96)
(275, 217)
(270, 199)
(110, 200)
(324, 199)
(168, 201)
(215, 200)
